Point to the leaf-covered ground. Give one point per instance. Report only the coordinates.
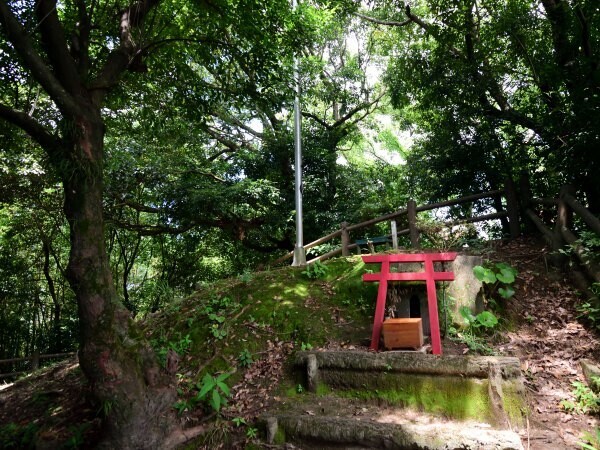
(242, 330)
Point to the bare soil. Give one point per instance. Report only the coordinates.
(545, 335)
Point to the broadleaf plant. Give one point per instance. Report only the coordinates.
(498, 280)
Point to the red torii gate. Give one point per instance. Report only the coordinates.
(430, 276)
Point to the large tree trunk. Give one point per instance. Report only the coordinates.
(132, 390)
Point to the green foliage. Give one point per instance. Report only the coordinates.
(483, 320)
(216, 326)
(498, 281)
(216, 310)
(77, 439)
(590, 312)
(319, 250)
(586, 401)
(210, 390)
(587, 246)
(180, 346)
(238, 421)
(182, 406)
(245, 358)
(478, 327)
(315, 271)
(13, 436)
(479, 83)
(305, 346)
(246, 276)
(213, 390)
(441, 237)
(251, 433)
(590, 440)
(106, 407)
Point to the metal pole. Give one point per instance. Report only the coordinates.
(299, 251)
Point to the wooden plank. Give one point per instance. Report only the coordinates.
(307, 246)
(512, 205)
(582, 212)
(383, 218)
(483, 218)
(548, 235)
(459, 201)
(412, 224)
(29, 358)
(394, 235)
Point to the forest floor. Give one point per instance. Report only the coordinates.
(50, 409)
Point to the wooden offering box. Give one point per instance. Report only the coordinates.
(402, 333)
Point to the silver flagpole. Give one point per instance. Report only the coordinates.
(299, 251)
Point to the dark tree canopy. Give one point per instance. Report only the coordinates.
(497, 87)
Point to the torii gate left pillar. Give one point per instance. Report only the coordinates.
(430, 276)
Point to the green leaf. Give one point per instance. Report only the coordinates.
(223, 376)
(223, 388)
(215, 401)
(487, 319)
(484, 275)
(506, 276)
(466, 313)
(506, 293)
(208, 383)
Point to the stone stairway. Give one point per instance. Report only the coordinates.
(400, 400)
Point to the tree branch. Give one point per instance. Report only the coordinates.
(555, 10)
(391, 23)
(317, 119)
(24, 47)
(357, 109)
(32, 127)
(55, 45)
(149, 230)
(235, 121)
(585, 32)
(232, 146)
(119, 59)
(424, 25)
(80, 48)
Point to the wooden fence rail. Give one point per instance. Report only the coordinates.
(35, 362)
(561, 236)
(411, 210)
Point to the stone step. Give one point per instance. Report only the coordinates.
(388, 429)
(460, 387)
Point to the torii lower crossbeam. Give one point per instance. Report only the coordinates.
(430, 276)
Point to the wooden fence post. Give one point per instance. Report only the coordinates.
(525, 202)
(512, 207)
(35, 360)
(394, 235)
(345, 239)
(412, 223)
(564, 217)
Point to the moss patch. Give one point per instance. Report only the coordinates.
(514, 403)
(228, 317)
(453, 397)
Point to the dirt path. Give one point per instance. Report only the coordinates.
(550, 342)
